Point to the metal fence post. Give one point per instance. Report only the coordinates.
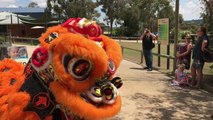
(168, 60)
(159, 44)
(141, 56)
(122, 50)
(31, 41)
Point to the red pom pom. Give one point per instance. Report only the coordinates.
(39, 57)
(93, 30)
(83, 26)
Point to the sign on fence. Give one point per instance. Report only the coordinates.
(163, 29)
(18, 53)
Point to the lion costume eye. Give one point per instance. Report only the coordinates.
(52, 36)
(111, 67)
(77, 67)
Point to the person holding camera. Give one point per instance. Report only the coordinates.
(147, 44)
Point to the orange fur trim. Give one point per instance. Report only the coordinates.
(49, 117)
(81, 47)
(12, 66)
(13, 102)
(59, 29)
(8, 78)
(11, 74)
(16, 104)
(113, 50)
(4, 114)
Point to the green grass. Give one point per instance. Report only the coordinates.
(138, 46)
(136, 57)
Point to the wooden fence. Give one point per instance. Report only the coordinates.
(31, 41)
(158, 55)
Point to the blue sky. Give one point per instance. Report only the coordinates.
(191, 9)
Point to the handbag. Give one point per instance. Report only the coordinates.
(153, 45)
(208, 55)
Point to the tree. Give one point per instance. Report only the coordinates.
(130, 17)
(63, 9)
(112, 9)
(33, 5)
(135, 15)
(152, 10)
(139, 14)
(208, 14)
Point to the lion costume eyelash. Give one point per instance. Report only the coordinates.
(69, 77)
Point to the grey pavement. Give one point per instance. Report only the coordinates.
(149, 96)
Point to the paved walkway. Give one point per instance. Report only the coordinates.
(149, 96)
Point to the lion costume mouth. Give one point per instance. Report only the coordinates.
(83, 106)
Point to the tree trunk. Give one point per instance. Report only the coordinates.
(111, 23)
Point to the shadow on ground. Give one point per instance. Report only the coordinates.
(175, 104)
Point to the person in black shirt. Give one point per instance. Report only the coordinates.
(147, 40)
(197, 56)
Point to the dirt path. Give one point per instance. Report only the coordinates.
(148, 96)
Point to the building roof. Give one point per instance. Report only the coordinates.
(23, 10)
(25, 16)
(9, 18)
(33, 12)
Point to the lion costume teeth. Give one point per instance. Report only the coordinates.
(69, 77)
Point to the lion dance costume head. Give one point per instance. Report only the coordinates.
(69, 77)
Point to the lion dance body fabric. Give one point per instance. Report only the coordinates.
(70, 76)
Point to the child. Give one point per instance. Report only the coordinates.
(180, 76)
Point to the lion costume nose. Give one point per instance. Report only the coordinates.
(105, 93)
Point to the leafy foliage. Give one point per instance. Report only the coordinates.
(113, 9)
(208, 14)
(132, 16)
(33, 5)
(63, 9)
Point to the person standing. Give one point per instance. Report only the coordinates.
(184, 53)
(147, 43)
(198, 62)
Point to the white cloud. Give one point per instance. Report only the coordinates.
(12, 6)
(41, 3)
(7, 3)
(191, 10)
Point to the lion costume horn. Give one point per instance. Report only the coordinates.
(69, 77)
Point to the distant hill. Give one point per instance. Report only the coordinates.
(199, 21)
